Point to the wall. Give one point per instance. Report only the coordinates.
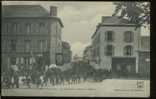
(118, 43)
(21, 34)
(36, 34)
(144, 64)
(55, 40)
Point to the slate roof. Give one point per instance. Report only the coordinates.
(65, 45)
(87, 48)
(24, 11)
(114, 20)
(32, 11)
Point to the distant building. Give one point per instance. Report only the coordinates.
(87, 54)
(115, 44)
(30, 31)
(144, 57)
(66, 51)
(77, 58)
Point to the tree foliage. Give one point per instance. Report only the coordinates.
(135, 12)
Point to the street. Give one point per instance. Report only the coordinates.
(117, 87)
(91, 49)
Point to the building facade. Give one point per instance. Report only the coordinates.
(144, 57)
(115, 44)
(28, 32)
(76, 59)
(66, 51)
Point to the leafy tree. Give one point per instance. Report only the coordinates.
(135, 12)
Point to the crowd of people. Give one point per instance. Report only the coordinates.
(17, 76)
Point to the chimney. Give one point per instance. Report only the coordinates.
(53, 11)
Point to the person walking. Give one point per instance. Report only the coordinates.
(15, 76)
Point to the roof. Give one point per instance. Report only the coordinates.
(113, 21)
(26, 11)
(87, 48)
(65, 45)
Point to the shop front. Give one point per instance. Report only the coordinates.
(123, 66)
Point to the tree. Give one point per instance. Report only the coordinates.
(136, 12)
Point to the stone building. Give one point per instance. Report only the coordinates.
(77, 58)
(28, 32)
(144, 57)
(66, 51)
(115, 44)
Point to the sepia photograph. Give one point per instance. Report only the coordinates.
(75, 48)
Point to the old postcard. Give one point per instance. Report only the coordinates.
(75, 49)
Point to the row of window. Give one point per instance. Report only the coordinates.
(26, 60)
(109, 51)
(42, 45)
(15, 27)
(128, 50)
(22, 60)
(128, 36)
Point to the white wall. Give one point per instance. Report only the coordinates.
(118, 43)
(55, 42)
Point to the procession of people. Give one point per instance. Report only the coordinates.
(18, 76)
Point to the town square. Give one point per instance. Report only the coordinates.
(93, 49)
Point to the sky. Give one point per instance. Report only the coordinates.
(79, 19)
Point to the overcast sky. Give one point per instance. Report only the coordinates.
(79, 19)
